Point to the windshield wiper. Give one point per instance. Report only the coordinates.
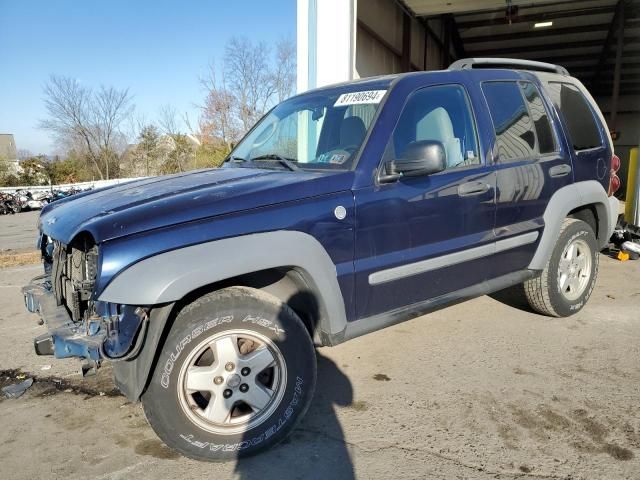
(290, 164)
(233, 159)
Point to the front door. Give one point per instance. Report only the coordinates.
(422, 237)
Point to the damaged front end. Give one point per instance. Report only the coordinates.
(78, 324)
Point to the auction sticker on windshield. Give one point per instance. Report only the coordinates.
(360, 98)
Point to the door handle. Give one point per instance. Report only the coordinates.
(473, 188)
(560, 170)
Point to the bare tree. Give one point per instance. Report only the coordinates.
(219, 118)
(78, 115)
(248, 78)
(182, 146)
(168, 119)
(249, 85)
(285, 69)
(110, 107)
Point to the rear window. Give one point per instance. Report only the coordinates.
(582, 126)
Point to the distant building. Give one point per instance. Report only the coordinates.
(8, 153)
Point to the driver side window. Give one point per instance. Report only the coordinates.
(440, 113)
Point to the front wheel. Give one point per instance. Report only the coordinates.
(568, 278)
(236, 373)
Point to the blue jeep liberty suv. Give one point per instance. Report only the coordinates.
(346, 209)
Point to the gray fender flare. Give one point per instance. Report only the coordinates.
(564, 201)
(166, 278)
(170, 276)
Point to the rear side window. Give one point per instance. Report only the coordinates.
(540, 117)
(582, 126)
(520, 120)
(515, 137)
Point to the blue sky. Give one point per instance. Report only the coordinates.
(158, 49)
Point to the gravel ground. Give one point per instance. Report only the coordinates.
(479, 390)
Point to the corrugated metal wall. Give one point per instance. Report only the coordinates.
(379, 40)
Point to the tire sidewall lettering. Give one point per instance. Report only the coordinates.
(265, 435)
(165, 378)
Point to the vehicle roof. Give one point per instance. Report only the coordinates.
(371, 83)
(386, 81)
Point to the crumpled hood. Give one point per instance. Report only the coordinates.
(151, 203)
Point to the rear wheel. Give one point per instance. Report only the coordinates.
(568, 278)
(236, 373)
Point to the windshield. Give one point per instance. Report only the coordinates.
(320, 130)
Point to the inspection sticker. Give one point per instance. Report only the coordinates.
(360, 98)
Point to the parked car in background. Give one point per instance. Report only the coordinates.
(346, 209)
(25, 200)
(8, 204)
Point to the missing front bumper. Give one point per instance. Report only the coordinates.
(64, 338)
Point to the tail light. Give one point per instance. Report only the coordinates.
(614, 180)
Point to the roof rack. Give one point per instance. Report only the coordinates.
(513, 63)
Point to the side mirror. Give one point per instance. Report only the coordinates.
(421, 158)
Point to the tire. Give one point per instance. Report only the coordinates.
(199, 354)
(567, 280)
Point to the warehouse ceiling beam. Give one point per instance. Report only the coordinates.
(536, 17)
(537, 34)
(545, 46)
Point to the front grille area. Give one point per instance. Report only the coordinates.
(73, 275)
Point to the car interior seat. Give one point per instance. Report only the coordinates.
(436, 125)
(352, 132)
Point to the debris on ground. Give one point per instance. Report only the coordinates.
(16, 259)
(622, 256)
(626, 243)
(632, 249)
(17, 389)
(49, 385)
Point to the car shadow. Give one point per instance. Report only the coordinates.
(513, 297)
(316, 448)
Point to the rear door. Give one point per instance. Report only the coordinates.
(531, 164)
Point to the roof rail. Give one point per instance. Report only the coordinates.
(510, 63)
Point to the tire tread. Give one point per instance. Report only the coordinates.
(537, 289)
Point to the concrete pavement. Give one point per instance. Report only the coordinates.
(479, 390)
(18, 232)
